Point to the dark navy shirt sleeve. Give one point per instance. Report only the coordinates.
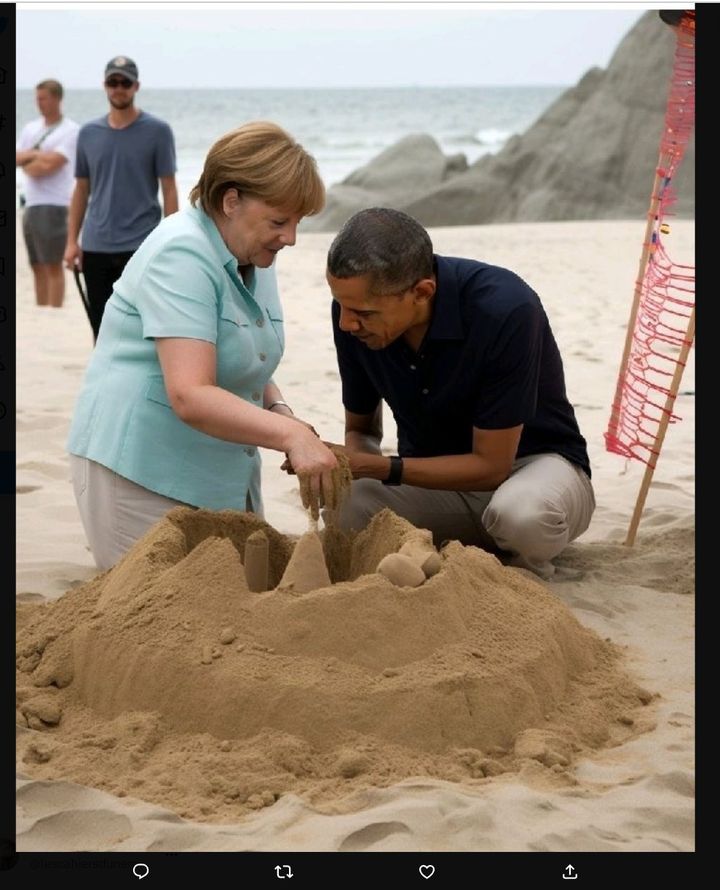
(359, 395)
(506, 396)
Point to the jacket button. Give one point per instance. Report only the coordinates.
(249, 451)
(259, 322)
(256, 396)
(262, 356)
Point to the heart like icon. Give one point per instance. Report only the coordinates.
(427, 871)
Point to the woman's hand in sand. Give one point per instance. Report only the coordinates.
(313, 462)
(338, 449)
(286, 465)
(306, 424)
(308, 454)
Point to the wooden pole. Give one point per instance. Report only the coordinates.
(652, 215)
(687, 29)
(662, 428)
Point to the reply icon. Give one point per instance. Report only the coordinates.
(141, 871)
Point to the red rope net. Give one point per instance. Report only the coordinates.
(665, 291)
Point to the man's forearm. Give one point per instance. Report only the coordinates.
(40, 166)
(37, 163)
(35, 168)
(366, 443)
(454, 472)
(170, 198)
(23, 158)
(76, 214)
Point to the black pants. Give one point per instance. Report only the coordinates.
(101, 271)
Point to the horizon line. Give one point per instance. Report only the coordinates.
(296, 88)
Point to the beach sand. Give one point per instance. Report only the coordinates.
(636, 795)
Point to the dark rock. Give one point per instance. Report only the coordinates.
(591, 155)
(413, 166)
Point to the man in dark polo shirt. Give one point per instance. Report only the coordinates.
(489, 451)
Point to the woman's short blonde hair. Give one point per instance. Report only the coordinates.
(262, 161)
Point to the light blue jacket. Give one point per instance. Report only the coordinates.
(181, 282)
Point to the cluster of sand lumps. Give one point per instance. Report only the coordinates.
(219, 647)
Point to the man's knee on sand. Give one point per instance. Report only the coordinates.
(531, 525)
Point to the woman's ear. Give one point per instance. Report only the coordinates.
(231, 200)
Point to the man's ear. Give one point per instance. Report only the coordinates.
(424, 290)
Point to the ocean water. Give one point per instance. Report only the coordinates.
(342, 128)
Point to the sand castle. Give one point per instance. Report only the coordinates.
(362, 661)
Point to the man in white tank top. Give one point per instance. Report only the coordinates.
(46, 153)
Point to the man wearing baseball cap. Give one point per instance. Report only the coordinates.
(123, 66)
(121, 160)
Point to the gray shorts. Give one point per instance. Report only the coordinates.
(45, 231)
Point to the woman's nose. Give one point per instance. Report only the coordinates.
(289, 234)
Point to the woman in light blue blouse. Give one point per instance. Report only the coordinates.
(178, 394)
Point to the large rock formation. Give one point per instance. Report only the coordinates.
(591, 155)
(413, 166)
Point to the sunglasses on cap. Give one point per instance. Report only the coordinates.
(114, 82)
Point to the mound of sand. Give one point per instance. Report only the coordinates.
(166, 677)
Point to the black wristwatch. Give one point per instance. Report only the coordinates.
(396, 471)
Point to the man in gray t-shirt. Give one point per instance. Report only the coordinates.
(121, 159)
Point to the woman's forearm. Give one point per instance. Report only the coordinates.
(219, 413)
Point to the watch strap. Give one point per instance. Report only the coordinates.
(396, 471)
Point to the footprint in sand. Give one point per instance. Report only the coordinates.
(26, 489)
(62, 831)
(365, 838)
(27, 596)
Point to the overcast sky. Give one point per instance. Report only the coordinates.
(321, 45)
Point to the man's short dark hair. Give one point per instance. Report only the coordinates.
(389, 246)
(54, 87)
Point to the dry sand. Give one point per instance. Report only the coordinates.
(611, 769)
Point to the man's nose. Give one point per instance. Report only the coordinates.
(347, 322)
